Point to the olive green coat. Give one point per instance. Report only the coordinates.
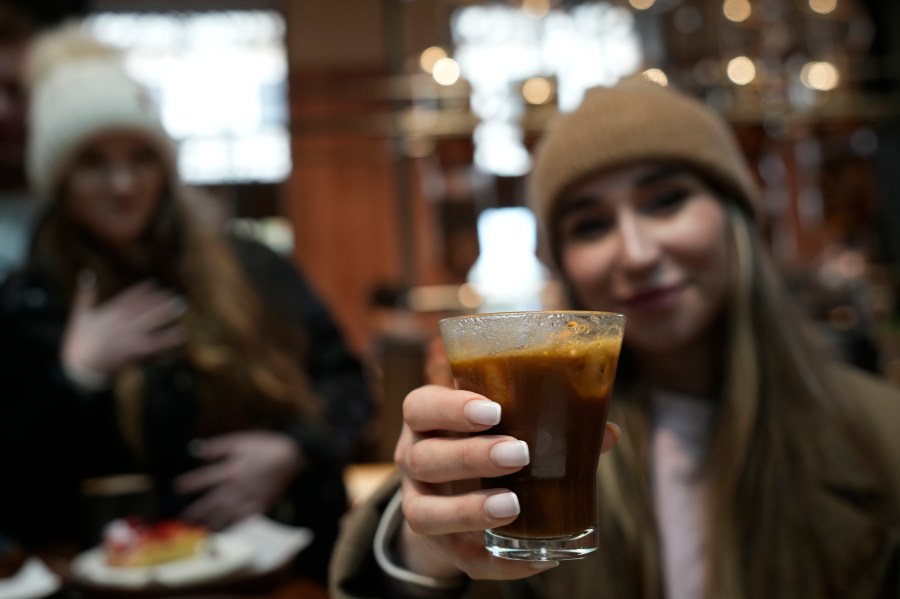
(355, 575)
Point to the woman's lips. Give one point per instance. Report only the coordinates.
(123, 205)
(654, 300)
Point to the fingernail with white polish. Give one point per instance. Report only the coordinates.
(510, 454)
(502, 505)
(616, 431)
(482, 411)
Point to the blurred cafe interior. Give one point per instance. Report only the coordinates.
(385, 145)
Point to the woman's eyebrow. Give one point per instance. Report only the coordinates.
(647, 178)
(576, 204)
(658, 174)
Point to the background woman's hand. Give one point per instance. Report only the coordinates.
(247, 473)
(100, 340)
(444, 534)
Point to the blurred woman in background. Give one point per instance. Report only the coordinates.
(138, 338)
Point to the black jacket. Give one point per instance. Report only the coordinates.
(53, 436)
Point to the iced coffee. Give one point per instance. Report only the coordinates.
(552, 373)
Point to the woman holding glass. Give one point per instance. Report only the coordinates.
(749, 462)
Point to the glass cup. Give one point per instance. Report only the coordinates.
(552, 373)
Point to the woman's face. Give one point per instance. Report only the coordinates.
(114, 187)
(650, 242)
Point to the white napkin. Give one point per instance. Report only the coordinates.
(273, 543)
(33, 580)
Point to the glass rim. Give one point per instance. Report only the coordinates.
(605, 313)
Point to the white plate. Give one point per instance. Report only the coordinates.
(222, 557)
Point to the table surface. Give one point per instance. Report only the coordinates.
(361, 481)
(280, 584)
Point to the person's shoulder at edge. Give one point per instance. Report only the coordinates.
(873, 393)
(354, 570)
(277, 277)
(874, 402)
(353, 565)
(250, 246)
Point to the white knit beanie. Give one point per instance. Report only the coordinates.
(79, 89)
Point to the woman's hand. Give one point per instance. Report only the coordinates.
(247, 474)
(444, 535)
(100, 340)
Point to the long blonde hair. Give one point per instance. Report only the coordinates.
(767, 533)
(247, 361)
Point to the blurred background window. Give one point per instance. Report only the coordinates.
(510, 54)
(220, 79)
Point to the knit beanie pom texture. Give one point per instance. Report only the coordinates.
(79, 89)
(69, 44)
(632, 122)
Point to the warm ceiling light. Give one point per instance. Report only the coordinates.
(736, 11)
(656, 76)
(821, 76)
(823, 7)
(537, 90)
(430, 56)
(642, 4)
(741, 70)
(446, 71)
(536, 9)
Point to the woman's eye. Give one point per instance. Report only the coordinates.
(587, 227)
(90, 160)
(143, 158)
(668, 201)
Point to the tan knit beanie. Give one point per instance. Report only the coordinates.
(79, 89)
(636, 121)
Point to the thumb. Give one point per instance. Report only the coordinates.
(613, 433)
(85, 293)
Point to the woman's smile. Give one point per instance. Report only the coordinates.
(653, 300)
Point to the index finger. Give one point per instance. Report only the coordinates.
(202, 478)
(436, 408)
(85, 292)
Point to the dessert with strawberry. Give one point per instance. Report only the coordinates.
(132, 543)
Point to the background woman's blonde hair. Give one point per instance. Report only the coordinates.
(248, 362)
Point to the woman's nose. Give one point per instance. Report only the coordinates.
(638, 247)
(121, 178)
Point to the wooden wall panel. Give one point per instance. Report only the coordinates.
(342, 200)
(342, 205)
(355, 226)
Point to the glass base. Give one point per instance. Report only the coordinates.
(549, 549)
